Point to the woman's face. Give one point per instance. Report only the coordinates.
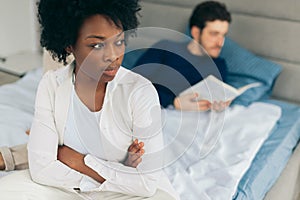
(99, 49)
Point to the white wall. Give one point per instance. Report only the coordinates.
(18, 26)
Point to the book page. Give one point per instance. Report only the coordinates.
(246, 87)
(213, 89)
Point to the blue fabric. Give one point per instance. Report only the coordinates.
(272, 156)
(131, 57)
(172, 68)
(244, 67)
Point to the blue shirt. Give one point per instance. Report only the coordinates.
(172, 68)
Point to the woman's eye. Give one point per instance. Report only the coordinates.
(98, 46)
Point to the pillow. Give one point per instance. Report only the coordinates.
(244, 67)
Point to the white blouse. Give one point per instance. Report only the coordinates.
(82, 128)
(130, 110)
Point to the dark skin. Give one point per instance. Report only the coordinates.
(135, 151)
(2, 165)
(98, 58)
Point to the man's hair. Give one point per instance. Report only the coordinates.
(61, 20)
(209, 11)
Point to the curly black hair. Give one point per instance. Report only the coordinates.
(61, 20)
(209, 11)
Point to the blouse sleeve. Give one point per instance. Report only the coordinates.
(44, 166)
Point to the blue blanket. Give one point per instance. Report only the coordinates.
(273, 155)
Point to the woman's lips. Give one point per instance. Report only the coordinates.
(110, 71)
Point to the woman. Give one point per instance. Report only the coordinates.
(88, 114)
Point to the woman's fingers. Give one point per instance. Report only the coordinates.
(134, 147)
(135, 151)
(137, 162)
(137, 155)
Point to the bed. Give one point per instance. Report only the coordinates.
(270, 169)
(255, 173)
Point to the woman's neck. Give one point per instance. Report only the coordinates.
(90, 92)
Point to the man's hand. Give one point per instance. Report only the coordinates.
(135, 152)
(220, 106)
(189, 102)
(2, 164)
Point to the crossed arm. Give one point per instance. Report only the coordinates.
(19, 159)
(75, 160)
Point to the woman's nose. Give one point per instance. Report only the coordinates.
(110, 53)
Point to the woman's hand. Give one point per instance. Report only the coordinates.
(135, 152)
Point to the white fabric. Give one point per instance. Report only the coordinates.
(130, 110)
(82, 128)
(218, 150)
(16, 107)
(14, 189)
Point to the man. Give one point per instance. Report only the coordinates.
(208, 26)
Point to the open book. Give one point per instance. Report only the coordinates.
(213, 89)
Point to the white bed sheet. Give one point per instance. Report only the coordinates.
(17, 107)
(231, 142)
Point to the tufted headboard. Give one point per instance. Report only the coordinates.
(269, 28)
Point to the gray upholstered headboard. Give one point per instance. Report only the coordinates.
(269, 28)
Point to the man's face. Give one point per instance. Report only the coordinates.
(212, 37)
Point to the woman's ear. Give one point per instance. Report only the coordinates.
(69, 49)
(195, 32)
